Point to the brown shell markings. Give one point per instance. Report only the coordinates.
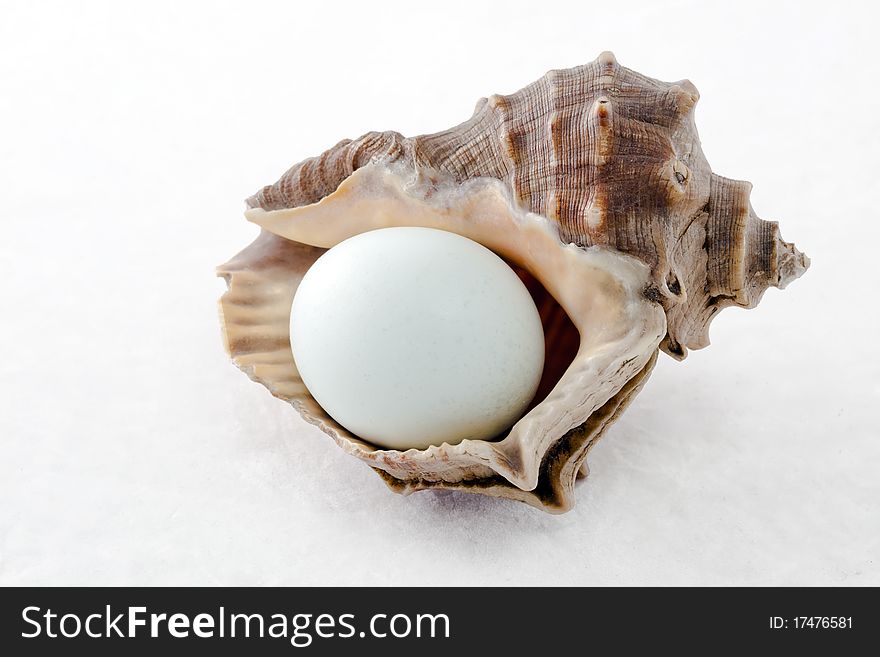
(591, 180)
(613, 157)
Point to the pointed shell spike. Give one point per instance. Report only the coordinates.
(606, 58)
(685, 96)
(601, 130)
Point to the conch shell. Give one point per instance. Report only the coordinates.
(592, 184)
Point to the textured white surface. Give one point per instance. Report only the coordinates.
(133, 452)
(411, 337)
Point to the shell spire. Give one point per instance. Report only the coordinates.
(743, 256)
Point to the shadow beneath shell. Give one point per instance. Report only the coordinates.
(463, 511)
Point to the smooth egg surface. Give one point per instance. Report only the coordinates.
(410, 337)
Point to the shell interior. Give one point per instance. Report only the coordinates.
(601, 292)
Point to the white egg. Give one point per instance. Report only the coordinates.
(410, 337)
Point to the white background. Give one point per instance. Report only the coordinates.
(134, 452)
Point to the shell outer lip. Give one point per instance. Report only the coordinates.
(596, 286)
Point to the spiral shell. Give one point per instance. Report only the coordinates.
(593, 180)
